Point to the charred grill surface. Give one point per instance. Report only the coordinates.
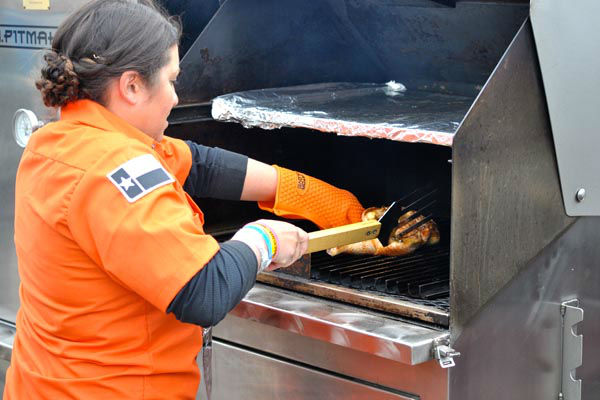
(414, 286)
(431, 310)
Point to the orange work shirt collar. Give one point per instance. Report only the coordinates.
(94, 114)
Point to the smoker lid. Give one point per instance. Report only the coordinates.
(377, 110)
(567, 41)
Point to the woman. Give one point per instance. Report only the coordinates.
(117, 274)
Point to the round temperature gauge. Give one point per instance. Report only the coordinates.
(24, 123)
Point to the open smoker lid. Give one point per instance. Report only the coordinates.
(377, 110)
(248, 47)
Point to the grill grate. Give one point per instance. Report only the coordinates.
(423, 275)
(420, 278)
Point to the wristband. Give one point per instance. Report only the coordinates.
(254, 239)
(269, 240)
(273, 235)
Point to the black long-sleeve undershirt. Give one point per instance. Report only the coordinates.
(230, 274)
(215, 173)
(218, 287)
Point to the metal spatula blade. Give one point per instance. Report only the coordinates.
(421, 203)
(417, 201)
(389, 221)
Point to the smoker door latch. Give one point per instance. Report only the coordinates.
(444, 353)
(571, 351)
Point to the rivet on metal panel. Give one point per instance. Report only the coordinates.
(580, 195)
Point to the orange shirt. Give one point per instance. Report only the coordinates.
(105, 238)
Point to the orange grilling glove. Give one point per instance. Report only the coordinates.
(301, 196)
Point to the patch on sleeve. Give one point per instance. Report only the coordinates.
(139, 176)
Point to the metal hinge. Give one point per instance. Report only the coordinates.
(571, 350)
(444, 353)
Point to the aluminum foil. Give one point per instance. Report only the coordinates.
(387, 111)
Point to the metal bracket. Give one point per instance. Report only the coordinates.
(444, 353)
(572, 350)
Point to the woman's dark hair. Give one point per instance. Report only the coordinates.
(101, 40)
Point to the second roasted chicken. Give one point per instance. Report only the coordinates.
(399, 245)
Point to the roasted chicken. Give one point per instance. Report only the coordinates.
(399, 245)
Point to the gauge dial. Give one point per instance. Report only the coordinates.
(24, 123)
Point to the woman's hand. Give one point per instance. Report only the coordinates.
(292, 242)
(276, 244)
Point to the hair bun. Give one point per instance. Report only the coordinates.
(59, 82)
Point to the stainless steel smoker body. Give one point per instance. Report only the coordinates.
(514, 272)
(24, 34)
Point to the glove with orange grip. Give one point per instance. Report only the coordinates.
(301, 196)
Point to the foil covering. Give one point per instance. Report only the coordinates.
(386, 111)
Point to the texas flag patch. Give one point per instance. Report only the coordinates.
(139, 176)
